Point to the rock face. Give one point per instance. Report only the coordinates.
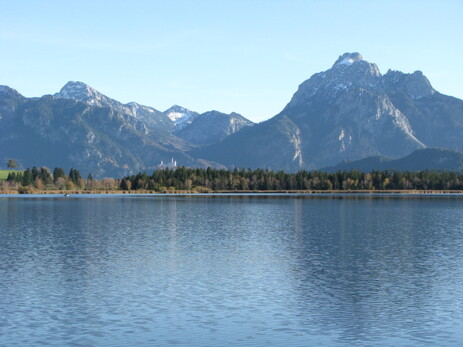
(348, 112)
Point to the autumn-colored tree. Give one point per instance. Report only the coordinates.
(12, 164)
(38, 183)
(70, 185)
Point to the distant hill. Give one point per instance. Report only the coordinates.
(423, 159)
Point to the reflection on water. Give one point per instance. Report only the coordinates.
(243, 271)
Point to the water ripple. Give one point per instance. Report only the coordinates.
(183, 271)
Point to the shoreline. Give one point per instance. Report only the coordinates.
(230, 192)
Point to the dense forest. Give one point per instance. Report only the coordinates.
(209, 180)
(265, 180)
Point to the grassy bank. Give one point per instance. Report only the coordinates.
(4, 174)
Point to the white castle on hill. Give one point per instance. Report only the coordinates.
(171, 165)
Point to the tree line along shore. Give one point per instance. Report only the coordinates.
(200, 180)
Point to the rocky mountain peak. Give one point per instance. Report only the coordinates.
(348, 59)
(349, 72)
(176, 108)
(78, 90)
(415, 85)
(181, 116)
(83, 92)
(150, 117)
(353, 65)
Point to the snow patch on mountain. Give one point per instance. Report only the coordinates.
(348, 59)
(180, 116)
(175, 116)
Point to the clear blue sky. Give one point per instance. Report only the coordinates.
(247, 56)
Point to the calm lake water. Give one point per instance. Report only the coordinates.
(231, 271)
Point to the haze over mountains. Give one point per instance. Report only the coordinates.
(348, 112)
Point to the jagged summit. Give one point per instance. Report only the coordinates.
(152, 119)
(78, 90)
(176, 108)
(83, 92)
(351, 65)
(176, 112)
(415, 85)
(349, 72)
(181, 116)
(348, 58)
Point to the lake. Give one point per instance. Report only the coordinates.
(231, 270)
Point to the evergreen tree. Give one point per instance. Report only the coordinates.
(74, 176)
(57, 173)
(125, 184)
(45, 176)
(27, 178)
(35, 173)
(11, 177)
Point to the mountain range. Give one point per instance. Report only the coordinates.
(80, 127)
(346, 113)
